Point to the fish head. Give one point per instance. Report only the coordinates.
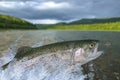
(90, 47)
(88, 50)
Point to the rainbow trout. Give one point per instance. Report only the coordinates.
(54, 59)
(79, 51)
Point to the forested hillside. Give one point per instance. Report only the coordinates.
(9, 22)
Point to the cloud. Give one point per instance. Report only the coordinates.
(52, 5)
(58, 10)
(11, 4)
(6, 5)
(36, 10)
(34, 4)
(44, 21)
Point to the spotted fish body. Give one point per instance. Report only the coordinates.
(68, 50)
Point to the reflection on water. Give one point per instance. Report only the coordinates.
(105, 67)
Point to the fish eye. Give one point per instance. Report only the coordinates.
(91, 45)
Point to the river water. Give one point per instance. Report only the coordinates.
(105, 67)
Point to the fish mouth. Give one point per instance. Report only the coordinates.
(96, 48)
(95, 53)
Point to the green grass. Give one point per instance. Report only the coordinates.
(100, 26)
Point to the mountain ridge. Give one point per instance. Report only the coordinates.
(96, 20)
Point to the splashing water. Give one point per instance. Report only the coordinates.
(45, 67)
(11, 52)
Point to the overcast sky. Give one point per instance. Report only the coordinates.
(53, 11)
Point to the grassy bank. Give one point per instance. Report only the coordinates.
(100, 26)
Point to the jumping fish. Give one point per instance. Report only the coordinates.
(77, 51)
(55, 61)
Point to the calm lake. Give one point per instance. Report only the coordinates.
(106, 67)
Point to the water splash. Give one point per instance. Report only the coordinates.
(11, 52)
(45, 67)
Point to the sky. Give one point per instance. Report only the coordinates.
(53, 11)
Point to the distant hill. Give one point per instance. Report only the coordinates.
(94, 21)
(10, 22)
(85, 24)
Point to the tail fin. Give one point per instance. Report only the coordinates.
(6, 65)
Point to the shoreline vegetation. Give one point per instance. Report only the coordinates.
(103, 24)
(106, 26)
